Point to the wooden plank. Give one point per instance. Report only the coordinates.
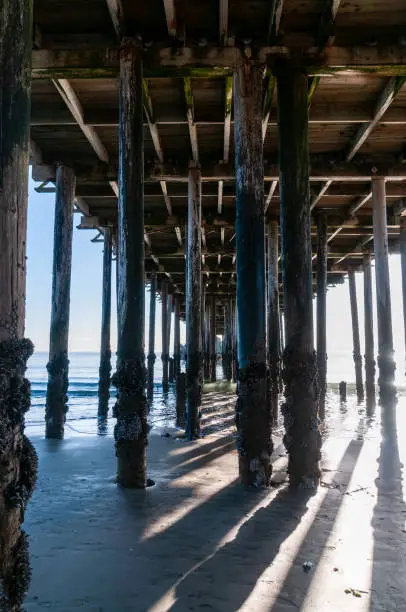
(270, 194)
(355, 207)
(326, 35)
(187, 83)
(223, 22)
(227, 117)
(220, 198)
(384, 101)
(117, 16)
(268, 104)
(170, 14)
(320, 194)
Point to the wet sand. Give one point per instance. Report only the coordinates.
(198, 541)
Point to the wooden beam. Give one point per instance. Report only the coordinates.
(227, 117)
(384, 101)
(275, 19)
(187, 84)
(268, 105)
(220, 198)
(320, 194)
(270, 194)
(170, 14)
(355, 207)
(313, 82)
(117, 16)
(357, 249)
(325, 35)
(223, 21)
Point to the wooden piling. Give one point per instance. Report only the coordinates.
(355, 335)
(131, 409)
(227, 341)
(302, 439)
(171, 370)
(194, 373)
(18, 460)
(206, 339)
(234, 341)
(321, 282)
(58, 364)
(253, 415)
(273, 316)
(176, 333)
(213, 339)
(151, 340)
(105, 348)
(165, 347)
(386, 362)
(403, 265)
(369, 330)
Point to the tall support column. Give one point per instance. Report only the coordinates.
(171, 365)
(176, 338)
(273, 315)
(386, 362)
(105, 349)
(403, 265)
(151, 339)
(302, 438)
(234, 340)
(355, 335)
(213, 339)
(165, 347)
(58, 365)
(131, 431)
(369, 330)
(194, 365)
(253, 415)
(206, 340)
(18, 460)
(321, 282)
(227, 341)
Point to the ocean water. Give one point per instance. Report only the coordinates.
(81, 418)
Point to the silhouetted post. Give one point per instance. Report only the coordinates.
(321, 282)
(369, 329)
(165, 347)
(253, 415)
(302, 439)
(213, 339)
(131, 431)
(151, 340)
(227, 341)
(105, 349)
(206, 339)
(176, 335)
(58, 365)
(234, 340)
(171, 366)
(355, 335)
(403, 264)
(273, 316)
(282, 331)
(18, 460)
(386, 362)
(194, 364)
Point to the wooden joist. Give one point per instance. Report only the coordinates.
(117, 16)
(223, 21)
(268, 104)
(270, 194)
(325, 35)
(170, 14)
(187, 85)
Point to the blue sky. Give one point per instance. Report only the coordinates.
(86, 291)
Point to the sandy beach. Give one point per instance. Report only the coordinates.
(198, 541)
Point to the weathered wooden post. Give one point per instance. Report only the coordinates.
(131, 431)
(234, 340)
(355, 335)
(206, 340)
(171, 366)
(253, 415)
(176, 335)
(227, 341)
(321, 282)
(369, 330)
(302, 438)
(18, 460)
(151, 341)
(213, 339)
(58, 365)
(273, 316)
(386, 362)
(165, 347)
(402, 238)
(105, 349)
(194, 364)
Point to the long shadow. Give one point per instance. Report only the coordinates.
(236, 567)
(388, 590)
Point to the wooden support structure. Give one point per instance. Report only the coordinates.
(171, 369)
(386, 362)
(302, 439)
(206, 339)
(227, 341)
(403, 266)
(165, 346)
(213, 339)
(253, 415)
(151, 341)
(194, 366)
(58, 365)
(355, 335)
(105, 348)
(234, 340)
(176, 336)
(18, 460)
(273, 316)
(321, 282)
(369, 355)
(131, 431)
